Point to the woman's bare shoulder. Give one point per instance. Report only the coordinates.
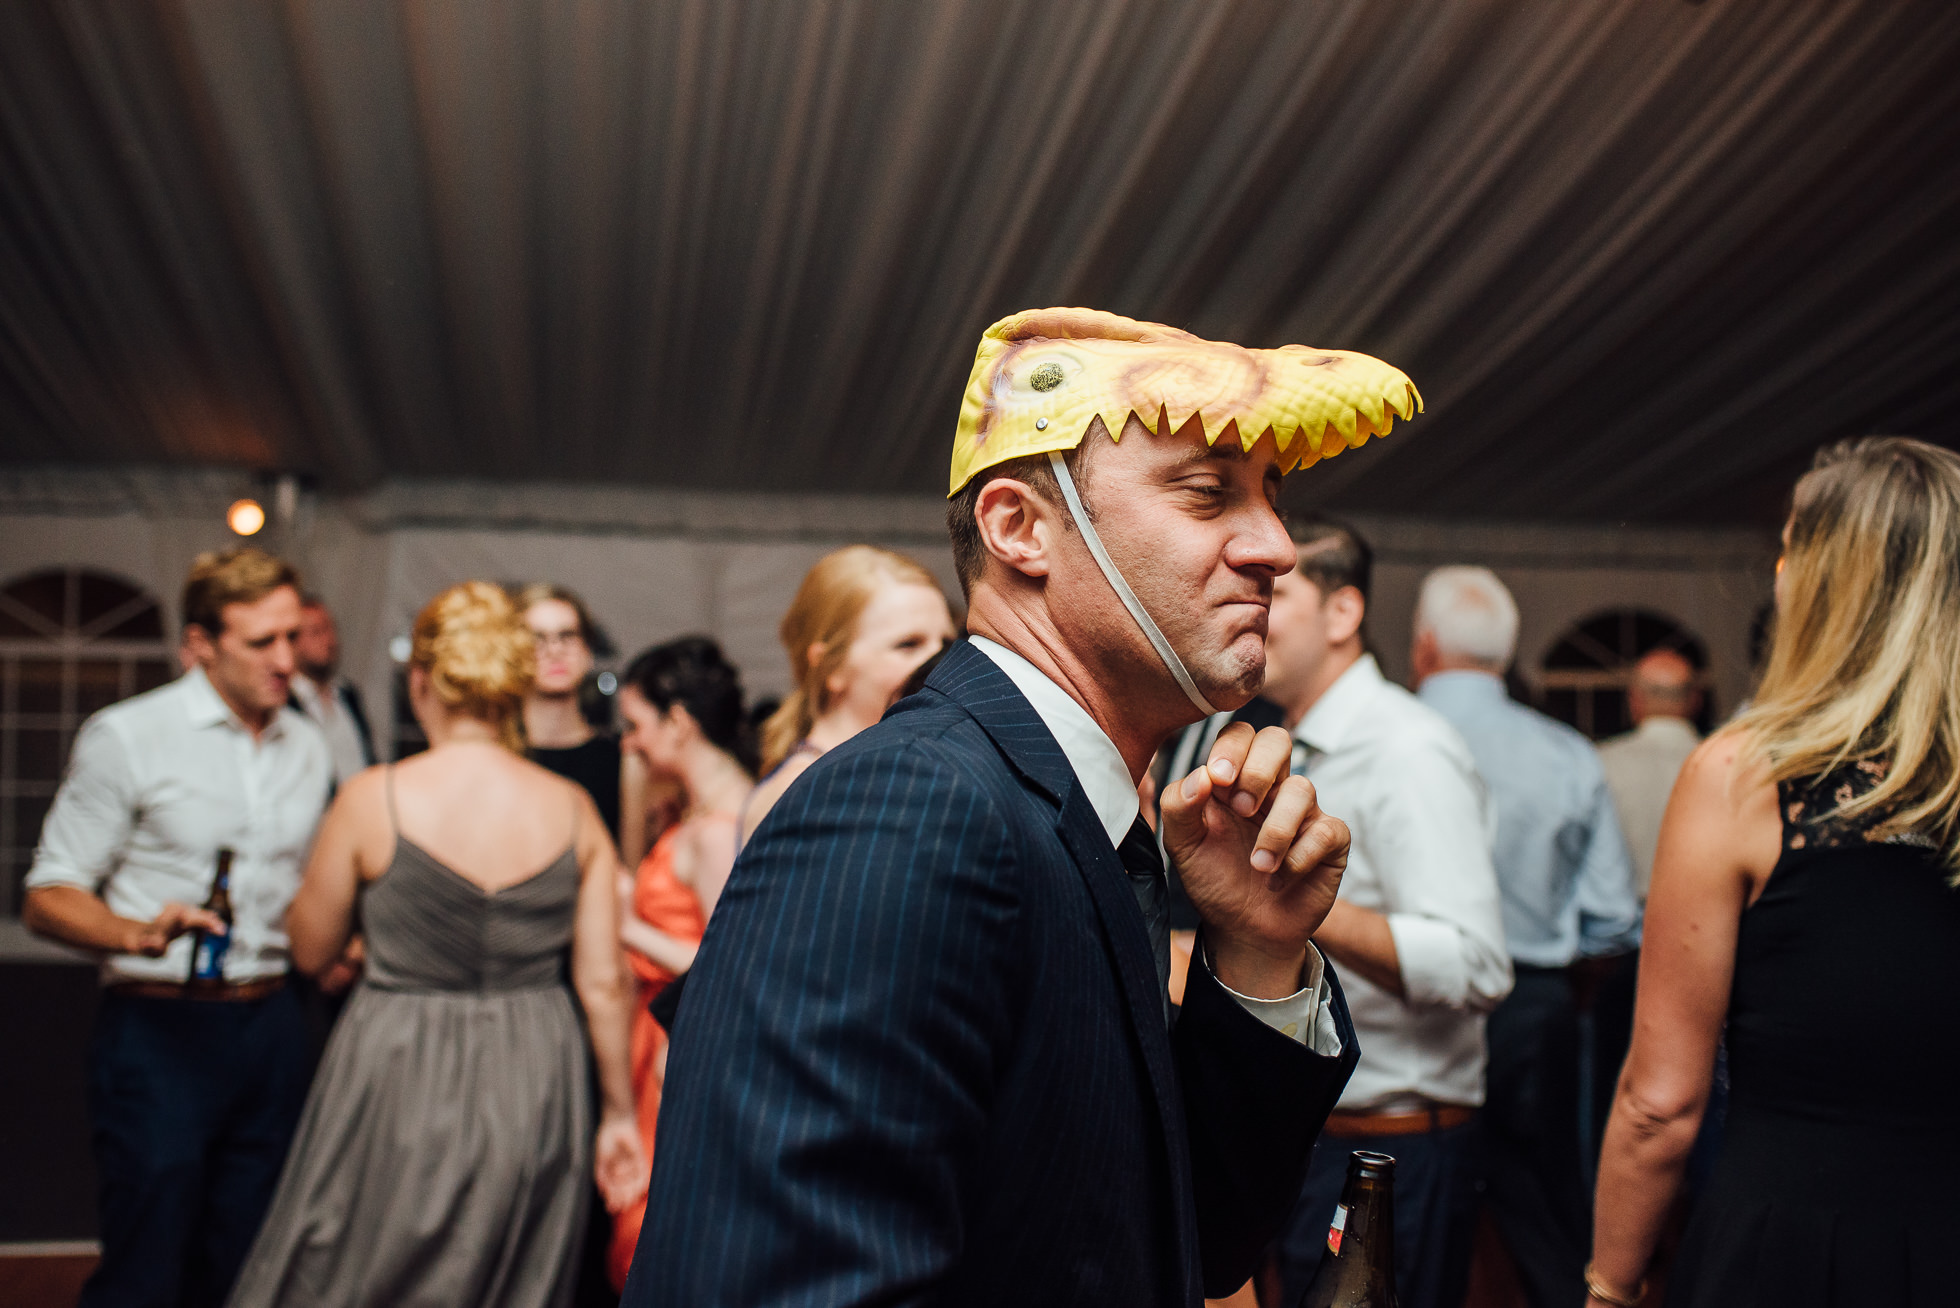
(772, 788)
(1725, 767)
(1725, 802)
(362, 799)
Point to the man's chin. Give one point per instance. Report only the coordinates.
(1232, 680)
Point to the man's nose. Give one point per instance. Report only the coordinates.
(1264, 544)
(283, 660)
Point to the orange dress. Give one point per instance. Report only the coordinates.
(660, 900)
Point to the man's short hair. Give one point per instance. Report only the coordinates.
(243, 574)
(969, 553)
(1334, 555)
(1470, 613)
(1666, 688)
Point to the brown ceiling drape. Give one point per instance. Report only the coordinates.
(1639, 254)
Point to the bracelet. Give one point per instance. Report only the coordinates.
(1599, 1290)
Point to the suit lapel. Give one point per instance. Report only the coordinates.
(977, 684)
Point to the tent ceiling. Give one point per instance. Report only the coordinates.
(1641, 256)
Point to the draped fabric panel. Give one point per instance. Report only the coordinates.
(1641, 255)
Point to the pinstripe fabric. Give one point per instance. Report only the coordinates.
(922, 1057)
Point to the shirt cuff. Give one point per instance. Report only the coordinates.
(1429, 955)
(48, 873)
(1306, 1015)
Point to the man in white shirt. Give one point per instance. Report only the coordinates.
(1417, 930)
(195, 1084)
(1642, 764)
(320, 692)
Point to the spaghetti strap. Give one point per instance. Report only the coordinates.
(388, 784)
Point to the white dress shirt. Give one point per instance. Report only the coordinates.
(1405, 783)
(1305, 1015)
(328, 709)
(1640, 770)
(156, 786)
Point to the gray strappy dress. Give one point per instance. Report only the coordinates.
(444, 1157)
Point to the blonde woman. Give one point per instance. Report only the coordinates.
(444, 1152)
(1802, 894)
(862, 622)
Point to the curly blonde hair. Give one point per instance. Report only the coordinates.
(472, 642)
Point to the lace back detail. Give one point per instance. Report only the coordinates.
(1811, 811)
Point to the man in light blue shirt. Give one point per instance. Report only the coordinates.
(1566, 888)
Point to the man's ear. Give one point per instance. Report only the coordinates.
(1016, 526)
(1345, 610)
(200, 644)
(1423, 655)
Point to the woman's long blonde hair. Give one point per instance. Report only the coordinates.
(480, 657)
(1863, 663)
(825, 612)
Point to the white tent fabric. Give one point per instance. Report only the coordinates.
(1641, 255)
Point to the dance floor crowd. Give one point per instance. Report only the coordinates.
(498, 932)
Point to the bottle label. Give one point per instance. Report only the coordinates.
(208, 960)
(1334, 1231)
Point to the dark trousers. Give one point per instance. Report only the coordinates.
(1435, 1214)
(1528, 1138)
(193, 1104)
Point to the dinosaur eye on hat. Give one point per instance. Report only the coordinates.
(1040, 377)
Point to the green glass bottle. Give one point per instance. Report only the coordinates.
(1358, 1269)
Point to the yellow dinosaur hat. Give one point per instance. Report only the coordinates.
(1041, 375)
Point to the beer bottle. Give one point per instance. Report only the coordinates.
(208, 950)
(1358, 1269)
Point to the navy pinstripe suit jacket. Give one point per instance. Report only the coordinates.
(922, 1059)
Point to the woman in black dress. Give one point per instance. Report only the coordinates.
(1803, 895)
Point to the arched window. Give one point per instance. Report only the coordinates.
(71, 641)
(1587, 672)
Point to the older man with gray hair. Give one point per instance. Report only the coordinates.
(1566, 890)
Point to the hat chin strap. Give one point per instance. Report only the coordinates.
(1122, 587)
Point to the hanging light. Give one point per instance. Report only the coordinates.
(245, 517)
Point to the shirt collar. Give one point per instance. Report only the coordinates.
(310, 691)
(206, 708)
(1098, 765)
(1664, 727)
(1340, 706)
(1464, 684)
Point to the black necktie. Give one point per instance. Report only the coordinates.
(1148, 883)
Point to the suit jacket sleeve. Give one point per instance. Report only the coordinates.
(826, 1093)
(1254, 1102)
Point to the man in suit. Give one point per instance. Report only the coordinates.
(322, 694)
(926, 1053)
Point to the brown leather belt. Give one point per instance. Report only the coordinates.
(1437, 1117)
(244, 992)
